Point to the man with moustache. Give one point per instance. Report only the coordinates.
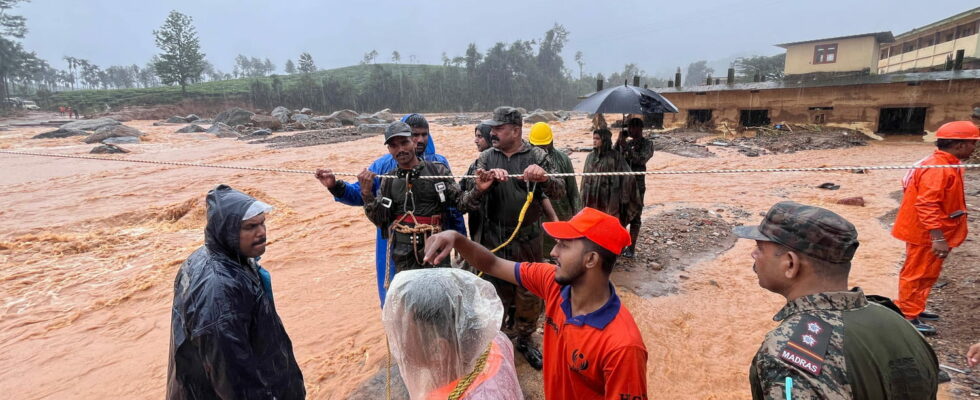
(408, 209)
(482, 140)
(226, 339)
(517, 167)
(350, 193)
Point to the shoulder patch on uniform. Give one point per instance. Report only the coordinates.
(808, 344)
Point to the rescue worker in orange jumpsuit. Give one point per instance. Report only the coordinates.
(932, 219)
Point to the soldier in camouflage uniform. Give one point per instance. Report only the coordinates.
(500, 204)
(615, 195)
(408, 209)
(481, 138)
(831, 343)
(637, 150)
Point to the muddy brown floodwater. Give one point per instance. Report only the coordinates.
(89, 251)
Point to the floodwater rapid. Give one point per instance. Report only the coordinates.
(89, 251)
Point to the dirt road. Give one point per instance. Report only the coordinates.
(90, 249)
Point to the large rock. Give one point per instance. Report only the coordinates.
(122, 140)
(266, 122)
(306, 111)
(176, 120)
(384, 115)
(191, 129)
(540, 116)
(371, 128)
(345, 117)
(300, 118)
(261, 132)
(222, 130)
(282, 114)
(368, 120)
(60, 133)
(234, 116)
(108, 149)
(192, 118)
(89, 124)
(112, 131)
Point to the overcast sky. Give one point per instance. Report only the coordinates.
(657, 35)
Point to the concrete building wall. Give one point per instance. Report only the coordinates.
(855, 106)
(853, 54)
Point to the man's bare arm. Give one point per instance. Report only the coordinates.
(438, 246)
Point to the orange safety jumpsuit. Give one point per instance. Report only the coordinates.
(931, 197)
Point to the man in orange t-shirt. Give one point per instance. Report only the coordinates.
(932, 219)
(592, 347)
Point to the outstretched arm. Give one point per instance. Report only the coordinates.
(438, 246)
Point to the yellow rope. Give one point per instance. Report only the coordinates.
(464, 384)
(520, 221)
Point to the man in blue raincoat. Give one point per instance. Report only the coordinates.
(350, 193)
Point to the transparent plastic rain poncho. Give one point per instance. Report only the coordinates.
(439, 321)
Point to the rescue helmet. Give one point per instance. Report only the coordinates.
(540, 134)
(961, 130)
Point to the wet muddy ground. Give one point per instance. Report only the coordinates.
(90, 250)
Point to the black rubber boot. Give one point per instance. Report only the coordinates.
(530, 352)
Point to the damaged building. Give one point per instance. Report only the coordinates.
(899, 103)
(874, 82)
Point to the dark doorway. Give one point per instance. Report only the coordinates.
(697, 118)
(910, 120)
(654, 120)
(754, 118)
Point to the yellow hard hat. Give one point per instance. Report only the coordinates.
(540, 134)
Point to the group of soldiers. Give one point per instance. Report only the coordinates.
(508, 169)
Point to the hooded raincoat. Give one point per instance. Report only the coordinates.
(227, 341)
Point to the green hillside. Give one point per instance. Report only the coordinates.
(355, 75)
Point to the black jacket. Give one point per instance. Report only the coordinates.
(227, 341)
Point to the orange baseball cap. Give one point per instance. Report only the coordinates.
(592, 224)
(963, 130)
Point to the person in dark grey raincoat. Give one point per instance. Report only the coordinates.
(227, 341)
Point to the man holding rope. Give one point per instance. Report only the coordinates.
(408, 209)
(350, 193)
(503, 204)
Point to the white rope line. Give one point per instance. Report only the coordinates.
(556, 175)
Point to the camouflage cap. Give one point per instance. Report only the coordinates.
(813, 231)
(505, 115)
(397, 128)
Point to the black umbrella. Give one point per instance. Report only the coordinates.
(625, 99)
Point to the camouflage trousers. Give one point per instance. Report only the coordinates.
(522, 309)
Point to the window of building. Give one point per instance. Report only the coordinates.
(926, 41)
(884, 54)
(965, 30)
(697, 118)
(825, 53)
(908, 46)
(750, 118)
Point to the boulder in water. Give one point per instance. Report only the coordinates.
(234, 116)
(191, 129)
(112, 131)
(108, 149)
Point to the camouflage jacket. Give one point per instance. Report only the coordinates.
(501, 204)
(566, 207)
(614, 195)
(430, 197)
(636, 152)
(837, 345)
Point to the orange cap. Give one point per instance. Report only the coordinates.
(592, 224)
(963, 130)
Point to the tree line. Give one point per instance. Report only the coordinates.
(527, 73)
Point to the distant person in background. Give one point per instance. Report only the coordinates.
(61, 111)
(637, 150)
(612, 194)
(75, 110)
(68, 110)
